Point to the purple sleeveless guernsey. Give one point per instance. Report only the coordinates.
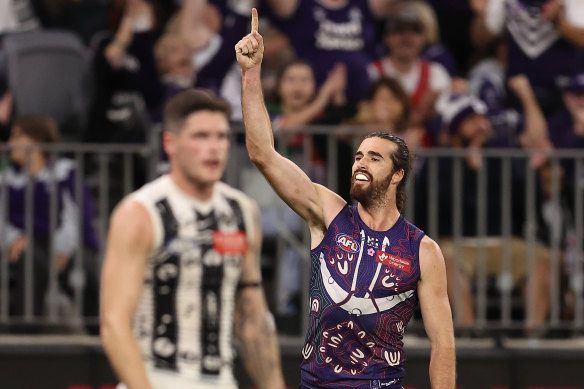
(362, 295)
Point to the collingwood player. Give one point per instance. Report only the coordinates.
(181, 277)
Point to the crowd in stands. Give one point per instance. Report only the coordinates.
(464, 74)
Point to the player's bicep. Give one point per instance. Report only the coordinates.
(129, 242)
(432, 293)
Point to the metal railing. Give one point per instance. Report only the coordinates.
(123, 160)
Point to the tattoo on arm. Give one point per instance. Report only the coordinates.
(258, 342)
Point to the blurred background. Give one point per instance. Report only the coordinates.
(489, 95)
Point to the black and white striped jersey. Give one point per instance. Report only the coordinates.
(184, 321)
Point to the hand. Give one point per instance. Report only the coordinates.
(115, 53)
(16, 249)
(521, 86)
(459, 85)
(336, 80)
(478, 6)
(339, 77)
(552, 10)
(250, 50)
(5, 107)
(62, 261)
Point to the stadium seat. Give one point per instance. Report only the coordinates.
(48, 73)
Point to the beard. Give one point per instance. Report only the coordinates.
(373, 195)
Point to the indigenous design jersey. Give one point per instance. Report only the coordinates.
(362, 296)
(184, 321)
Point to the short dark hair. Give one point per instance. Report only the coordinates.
(402, 159)
(189, 101)
(40, 128)
(398, 91)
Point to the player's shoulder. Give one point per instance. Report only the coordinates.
(130, 214)
(429, 249)
(152, 191)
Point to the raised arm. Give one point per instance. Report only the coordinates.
(437, 315)
(564, 15)
(488, 22)
(192, 23)
(254, 324)
(535, 135)
(129, 242)
(288, 180)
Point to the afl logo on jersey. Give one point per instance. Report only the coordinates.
(347, 243)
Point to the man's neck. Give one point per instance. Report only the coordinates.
(379, 218)
(202, 192)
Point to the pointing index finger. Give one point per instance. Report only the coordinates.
(254, 20)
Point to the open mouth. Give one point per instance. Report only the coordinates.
(361, 177)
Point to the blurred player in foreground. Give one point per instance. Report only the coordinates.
(182, 268)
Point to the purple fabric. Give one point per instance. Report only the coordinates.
(561, 58)
(440, 54)
(234, 27)
(355, 335)
(325, 36)
(41, 207)
(561, 130)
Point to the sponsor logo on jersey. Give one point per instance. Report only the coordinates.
(393, 261)
(347, 243)
(378, 384)
(233, 243)
(373, 242)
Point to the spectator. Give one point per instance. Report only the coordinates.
(467, 126)
(387, 106)
(545, 40)
(28, 133)
(300, 103)
(567, 126)
(557, 229)
(435, 51)
(118, 112)
(454, 18)
(326, 32)
(425, 82)
(278, 53)
(165, 65)
(213, 28)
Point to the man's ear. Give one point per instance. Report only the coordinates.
(169, 142)
(397, 176)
